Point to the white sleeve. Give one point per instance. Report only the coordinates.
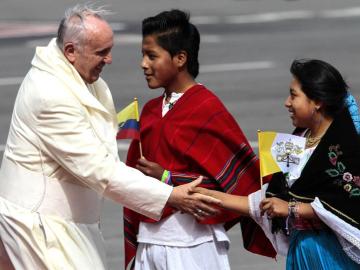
(66, 135)
(279, 240)
(143, 194)
(349, 236)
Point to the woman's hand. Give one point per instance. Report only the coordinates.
(274, 207)
(150, 168)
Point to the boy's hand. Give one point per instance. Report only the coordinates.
(150, 168)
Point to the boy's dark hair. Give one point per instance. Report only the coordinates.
(322, 82)
(174, 33)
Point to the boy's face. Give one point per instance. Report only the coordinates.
(160, 69)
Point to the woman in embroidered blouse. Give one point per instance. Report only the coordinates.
(314, 219)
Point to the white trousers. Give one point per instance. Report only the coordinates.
(207, 256)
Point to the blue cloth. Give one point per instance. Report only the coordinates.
(317, 250)
(350, 103)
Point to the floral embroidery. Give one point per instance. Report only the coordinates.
(332, 158)
(355, 192)
(332, 172)
(335, 149)
(348, 187)
(340, 166)
(356, 180)
(346, 179)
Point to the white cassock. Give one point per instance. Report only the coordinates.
(60, 160)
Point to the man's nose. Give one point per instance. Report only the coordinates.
(108, 59)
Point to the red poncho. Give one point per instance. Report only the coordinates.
(198, 136)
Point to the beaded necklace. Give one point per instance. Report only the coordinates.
(312, 141)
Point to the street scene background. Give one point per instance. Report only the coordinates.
(246, 50)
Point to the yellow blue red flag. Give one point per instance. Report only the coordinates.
(279, 152)
(128, 122)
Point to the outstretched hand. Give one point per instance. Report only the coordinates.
(200, 206)
(150, 168)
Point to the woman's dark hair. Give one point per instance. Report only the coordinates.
(174, 33)
(320, 81)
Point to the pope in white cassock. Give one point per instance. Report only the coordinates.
(61, 156)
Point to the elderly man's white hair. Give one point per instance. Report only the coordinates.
(72, 26)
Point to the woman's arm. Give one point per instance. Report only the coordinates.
(306, 211)
(239, 204)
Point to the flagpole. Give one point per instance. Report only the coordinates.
(261, 179)
(137, 119)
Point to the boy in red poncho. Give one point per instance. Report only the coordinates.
(185, 133)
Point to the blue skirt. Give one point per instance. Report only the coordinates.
(317, 250)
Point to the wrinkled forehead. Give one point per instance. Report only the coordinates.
(95, 24)
(98, 33)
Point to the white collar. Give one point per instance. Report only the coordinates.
(168, 105)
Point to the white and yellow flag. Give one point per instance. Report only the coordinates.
(279, 152)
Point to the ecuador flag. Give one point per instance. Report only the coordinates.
(128, 121)
(279, 152)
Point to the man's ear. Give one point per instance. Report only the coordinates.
(181, 59)
(69, 52)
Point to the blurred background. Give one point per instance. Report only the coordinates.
(246, 50)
